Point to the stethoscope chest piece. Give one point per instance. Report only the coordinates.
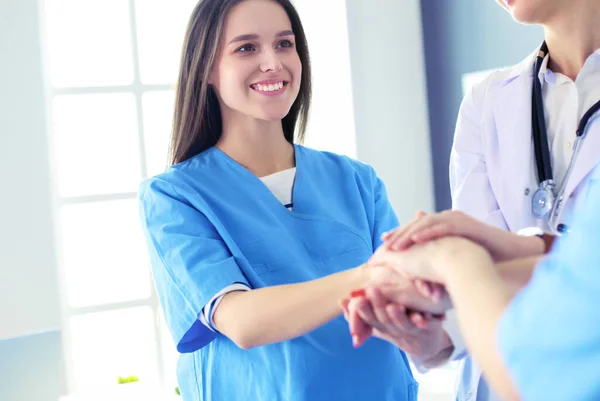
(543, 200)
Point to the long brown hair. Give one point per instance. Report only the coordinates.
(197, 121)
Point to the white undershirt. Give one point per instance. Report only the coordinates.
(281, 184)
(565, 103)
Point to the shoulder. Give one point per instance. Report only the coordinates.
(178, 179)
(499, 78)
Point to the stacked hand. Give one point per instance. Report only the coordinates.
(405, 301)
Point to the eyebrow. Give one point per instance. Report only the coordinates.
(253, 36)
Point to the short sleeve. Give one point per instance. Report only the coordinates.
(190, 261)
(385, 218)
(551, 327)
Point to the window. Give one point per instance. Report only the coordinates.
(112, 65)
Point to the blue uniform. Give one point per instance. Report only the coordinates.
(209, 223)
(549, 336)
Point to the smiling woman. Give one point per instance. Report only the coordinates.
(254, 239)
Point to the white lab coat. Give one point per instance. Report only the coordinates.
(492, 168)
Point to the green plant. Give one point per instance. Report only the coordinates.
(177, 391)
(128, 379)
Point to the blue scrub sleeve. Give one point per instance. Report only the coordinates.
(549, 335)
(385, 218)
(190, 262)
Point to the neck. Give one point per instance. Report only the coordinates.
(258, 145)
(573, 36)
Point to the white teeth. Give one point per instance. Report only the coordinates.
(269, 88)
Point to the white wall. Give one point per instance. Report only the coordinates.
(29, 299)
(391, 117)
(331, 126)
(389, 91)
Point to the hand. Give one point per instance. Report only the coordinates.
(400, 288)
(420, 335)
(502, 245)
(400, 291)
(432, 261)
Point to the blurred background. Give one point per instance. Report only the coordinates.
(86, 97)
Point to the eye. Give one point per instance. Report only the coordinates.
(285, 43)
(248, 47)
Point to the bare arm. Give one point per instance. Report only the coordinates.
(278, 313)
(518, 272)
(480, 296)
(477, 289)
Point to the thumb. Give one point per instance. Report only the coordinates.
(420, 214)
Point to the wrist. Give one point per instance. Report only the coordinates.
(357, 278)
(462, 254)
(466, 263)
(443, 354)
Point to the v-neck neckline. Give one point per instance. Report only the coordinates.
(256, 181)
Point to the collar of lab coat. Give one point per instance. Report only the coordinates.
(512, 115)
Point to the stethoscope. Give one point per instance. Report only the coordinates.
(546, 202)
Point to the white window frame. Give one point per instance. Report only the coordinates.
(137, 89)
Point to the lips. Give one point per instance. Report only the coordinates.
(269, 86)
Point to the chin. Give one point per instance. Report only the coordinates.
(528, 14)
(273, 114)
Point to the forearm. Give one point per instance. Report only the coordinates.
(507, 246)
(480, 296)
(518, 272)
(278, 313)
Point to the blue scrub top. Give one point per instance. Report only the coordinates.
(549, 336)
(210, 223)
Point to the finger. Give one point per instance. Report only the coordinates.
(399, 318)
(423, 287)
(359, 329)
(418, 320)
(430, 233)
(399, 232)
(425, 321)
(436, 292)
(379, 303)
(432, 321)
(365, 311)
(392, 239)
(386, 235)
(344, 305)
(404, 240)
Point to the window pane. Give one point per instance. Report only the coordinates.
(96, 143)
(331, 125)
(107, 345)
(158, 117)
(89, 42)
(104, 253)
(161, 26)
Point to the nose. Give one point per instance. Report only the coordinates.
(270, 62)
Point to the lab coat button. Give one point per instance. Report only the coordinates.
(526, 191)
